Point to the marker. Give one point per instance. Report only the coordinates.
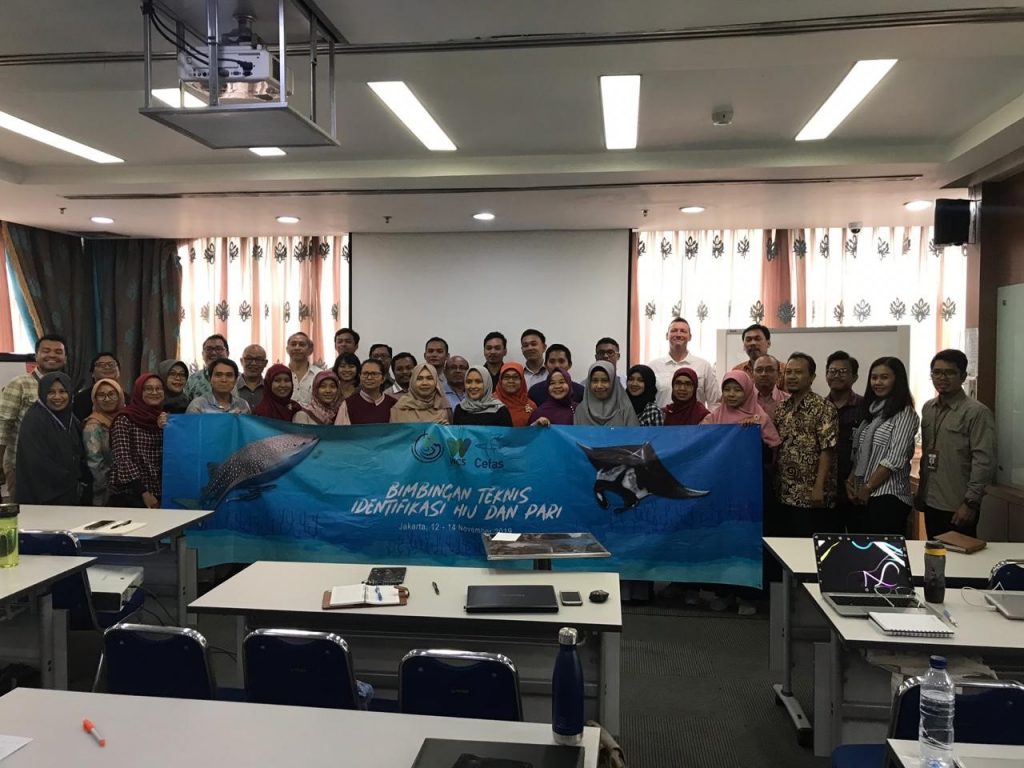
(949, 617)
(121, 524)
(436, 590)
(89, 728)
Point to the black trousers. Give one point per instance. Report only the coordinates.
(804, 522)
(938, 521)
(125, 500)
(882, 514)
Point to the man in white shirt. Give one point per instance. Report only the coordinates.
(680, 357)
(300, 348)
(534, 344)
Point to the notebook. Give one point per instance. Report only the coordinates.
(358, 595)
(958, 542)
(511, 598)
(910, 624)
(449, 753)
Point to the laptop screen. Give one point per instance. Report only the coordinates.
(862, 563)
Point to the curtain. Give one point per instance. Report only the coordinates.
(6, 315)
(721, 279)
(138, 300)
(57, 284)
(260, 290)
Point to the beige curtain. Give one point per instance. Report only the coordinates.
(260, 290)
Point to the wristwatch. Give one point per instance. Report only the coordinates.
(973, 505)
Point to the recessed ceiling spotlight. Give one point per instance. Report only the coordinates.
(287, 219)
(483, 216)
(918, 205)
(268, 151)
(101, 220)
(692, 209)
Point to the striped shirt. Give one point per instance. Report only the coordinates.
(892, 447)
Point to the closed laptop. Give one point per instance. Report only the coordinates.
(449, 753)
(511, 598)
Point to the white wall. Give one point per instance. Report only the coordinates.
(572, 286)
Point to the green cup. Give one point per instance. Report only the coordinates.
(8, 535)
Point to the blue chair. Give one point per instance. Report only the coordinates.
(144, 660)
(300, 668)
(1008, 575)
(459, 684)
(986, 712)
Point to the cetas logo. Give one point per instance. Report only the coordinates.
(426, 449)
(458, 447)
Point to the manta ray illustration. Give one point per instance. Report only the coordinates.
(248, 472)
(633, 472)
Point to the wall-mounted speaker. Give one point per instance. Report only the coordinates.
(954, 222)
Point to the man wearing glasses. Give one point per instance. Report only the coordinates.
(958, 441)
(214, 348)
(105, 365)
(250, 383)
(608, 349)
(840, 375)
(455, 370)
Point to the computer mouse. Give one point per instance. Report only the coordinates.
(598, 596)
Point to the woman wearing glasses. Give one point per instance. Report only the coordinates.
(174, 375)
(137, 445)
(107, 402)
(369, 405)
(104, 366)
(883, 444)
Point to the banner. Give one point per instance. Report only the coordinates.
(672, 503)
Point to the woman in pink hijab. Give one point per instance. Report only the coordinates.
(739, 406)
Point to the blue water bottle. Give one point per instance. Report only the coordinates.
(567, 690)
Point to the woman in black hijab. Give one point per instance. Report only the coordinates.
(642, 388)
(50, 451)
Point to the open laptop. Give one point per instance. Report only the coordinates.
(511, 598)
(1010, 604)
(859, 573)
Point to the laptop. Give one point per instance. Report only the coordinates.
(511, 598)
(448, 753)
(862, 573)
(1010, 604)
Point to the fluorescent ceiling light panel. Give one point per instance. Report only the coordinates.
(857, 84)
(691, 209)
(407, 108)
(101, 220)
(620, 99)
(287, 219)
(172, 97)
(34, 132)
(918, 205)
(267, 151)
(483, 216)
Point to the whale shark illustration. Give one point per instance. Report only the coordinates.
(633, 472)
(248, 472)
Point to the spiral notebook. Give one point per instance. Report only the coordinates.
(911, 624)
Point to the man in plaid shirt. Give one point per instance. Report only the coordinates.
(18, 396)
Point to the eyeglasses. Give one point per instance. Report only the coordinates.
(111, 395)
(371, 374)
(177, 375)
(219, 350)
(254, 359)
(837, 372)
(106, 366)
(152, 390)
(945, 373)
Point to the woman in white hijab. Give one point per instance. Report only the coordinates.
(605, 402)
(424, 402)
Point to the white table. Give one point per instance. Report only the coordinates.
(170, 733)
(908, 753)
(796, 556)
(849, 693)
(127, 548)
(288, 594)
(32, 578)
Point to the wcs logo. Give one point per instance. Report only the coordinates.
(457, 449)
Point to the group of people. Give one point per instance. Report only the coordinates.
(832, 463)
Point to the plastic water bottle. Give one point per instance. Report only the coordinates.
(937, 703)
(8, 535)
(567, 690)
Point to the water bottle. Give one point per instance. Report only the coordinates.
(937, 702)
(8, 535)
(567, 690)
(934, 572)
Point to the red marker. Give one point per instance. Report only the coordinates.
(89, 728)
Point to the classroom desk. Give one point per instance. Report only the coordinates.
(908, 753)
(32, 578)
(787, 605)
(289, 594)
(170, 733)
(840, 669)
(126, 548)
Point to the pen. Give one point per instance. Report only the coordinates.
(949, 617)
(89, 728)
(436, 590)
(380, 597)
(121, 524)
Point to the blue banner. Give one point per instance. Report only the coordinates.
(672, 503)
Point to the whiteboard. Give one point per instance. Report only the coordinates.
(572, 286)
(1009, 375)
(864, 344)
